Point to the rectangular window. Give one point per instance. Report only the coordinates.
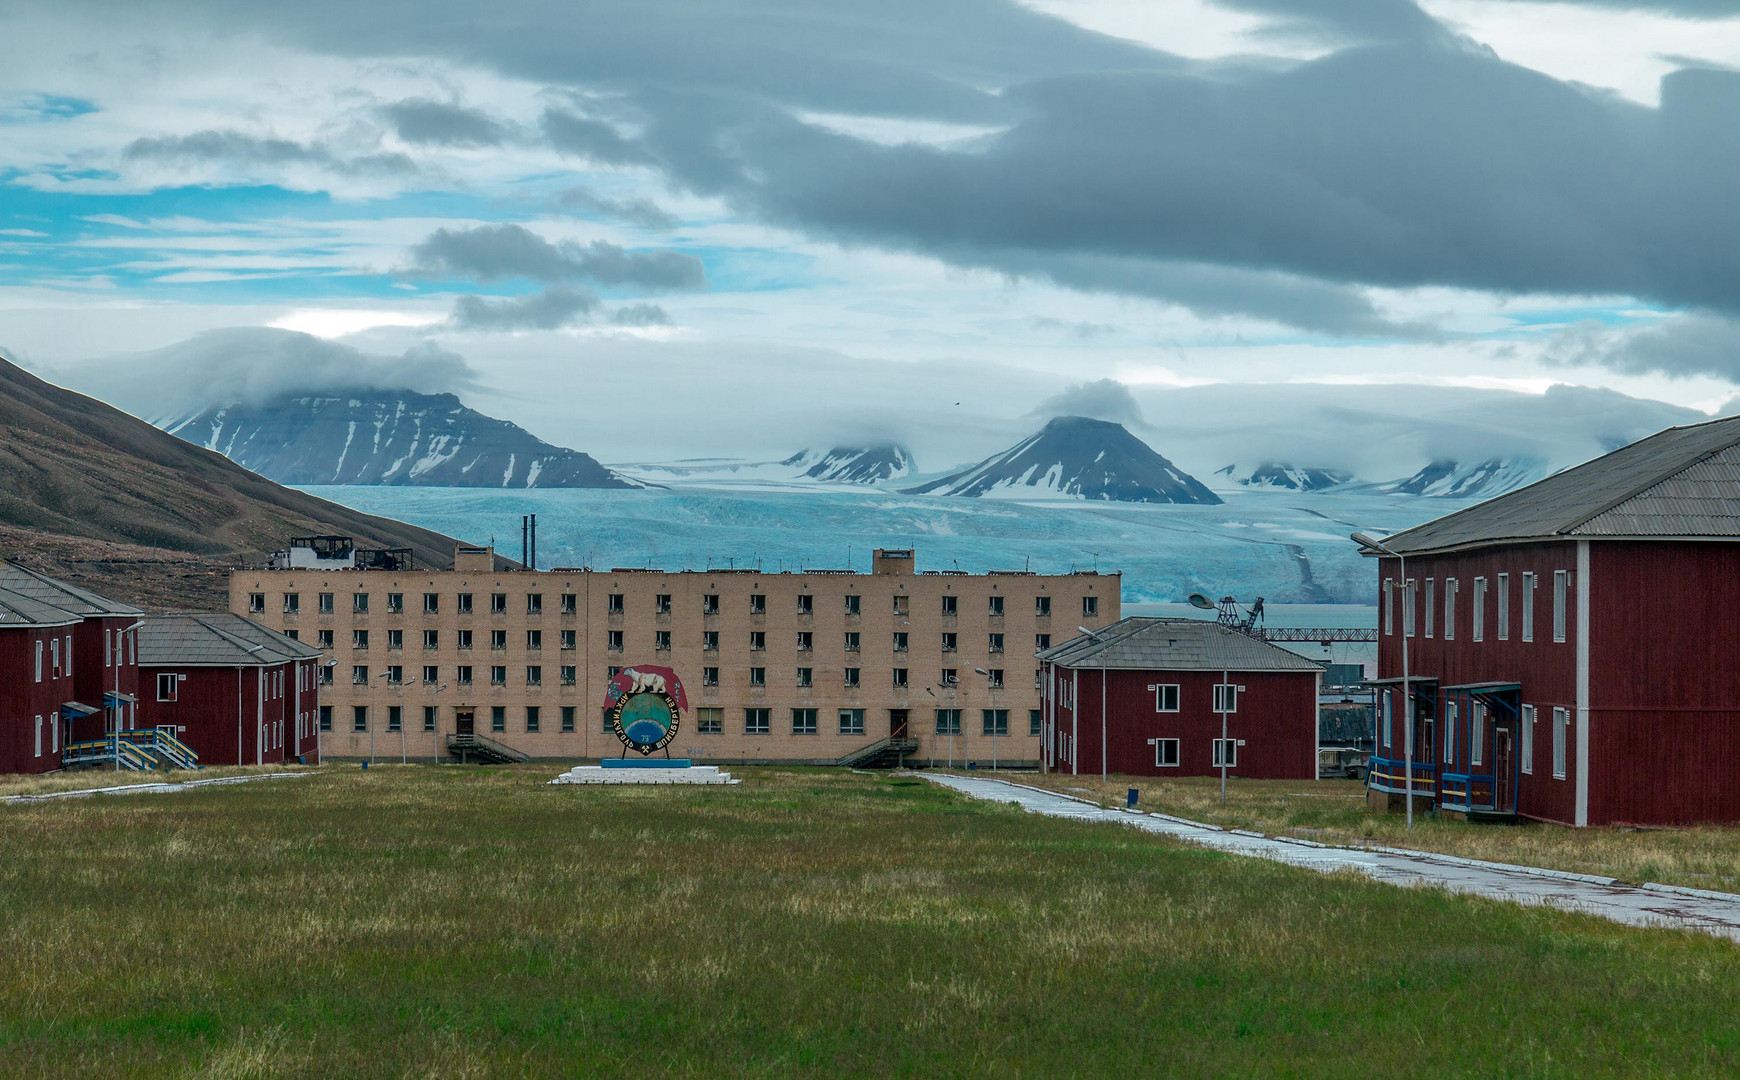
(498, 718)
(498, 675)
(568, 719)
(757, 721)
(1166, 697)
(757, 676)
(1479, 609)
(325, 674)
(1561, 735)
(1389, 719)
(758, 603)
(950, 677)
(1449, 609)
(535, 640)
(949, 641)
(900, 641)
(396, 603)
(614, 605)
(292, 603)
(662, 604)
(464, 639)
(1035, 722)
(462, 674)
(1528, 740)
(534, 675)
(395, 675)
(803, 721)
(359, 718)
(39, 660)
(709, 676)
(166, 687)
(1528, 606)
(1431, 604)
(463, 602)
(1226, 753)
(359, 674)
(806, 603)
(1165, 753)
(570, 605)
(568, 640)
(996, 722)
(852, 640)
(498, 603)
(1477, 735)
(428, 718)
(395, 639)
(1450, 710)
(900, 605)
(1041, 642)
(359, 603)
(852, 604)
(324, 601)
(1090, 606)
(806, 641)
(806, 676)
(613, 640)
(900, 677)
(994, 643)
(535, 603)
(570, 674)
(1561, 589)
(359, 639)
(1226, 698)
(710, 721)
(851, 721)
(533, 718)
(498, 639)
(949, 605)
(661, 640)
(1504, 607)
(710, 640)
(293, 635)
(1042, 606)
(994, 678)
(757, 640)
(326, 718)
(256, 603)
(431, 603)
(948, 721)
(608, 728)
(1389, 590)
(851, 677)
(1410, 606)
(710, 604)
(996, 605)
(395, 718)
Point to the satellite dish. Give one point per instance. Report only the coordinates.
(1200, 601)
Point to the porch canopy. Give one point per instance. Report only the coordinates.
(112, 699)
(72, 710)
(1490, 694)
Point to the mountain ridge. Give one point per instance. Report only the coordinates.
(1075, 457)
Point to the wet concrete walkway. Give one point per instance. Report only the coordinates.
(160, 788)
(1646, 905)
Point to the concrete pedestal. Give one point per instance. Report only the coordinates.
(645, 774)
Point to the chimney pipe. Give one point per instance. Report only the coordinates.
(534, 541)
(525, 550)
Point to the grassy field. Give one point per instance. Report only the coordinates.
(86, 779)
(1333, 812)
(418, 921)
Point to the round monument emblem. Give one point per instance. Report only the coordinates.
(646, 706)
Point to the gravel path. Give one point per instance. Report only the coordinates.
(1646, 905)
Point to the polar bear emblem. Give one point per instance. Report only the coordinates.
(645, 682)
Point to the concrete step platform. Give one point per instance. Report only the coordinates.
(645, 774)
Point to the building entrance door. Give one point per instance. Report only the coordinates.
(464, 721)
(1503, 771)
(897, 723)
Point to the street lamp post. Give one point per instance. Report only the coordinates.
(993, 724)
(1367, 540)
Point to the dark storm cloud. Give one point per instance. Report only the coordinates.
(242, 149)
(594, 140)
(503, 252)
(1685, 345)
(438, 123)
(1406, 157)
(642, 212)
(555, 307)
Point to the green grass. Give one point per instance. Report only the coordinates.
(1334, 812)
(414, 921)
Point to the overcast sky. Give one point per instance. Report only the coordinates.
(750, 221)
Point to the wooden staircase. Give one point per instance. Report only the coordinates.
(470, 747)
(882, 754)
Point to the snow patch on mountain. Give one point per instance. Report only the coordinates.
(874, 464)
(1272, 474)
(1074, 457)
(1469, 480)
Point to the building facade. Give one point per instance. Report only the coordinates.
(1148, 697)
(232, 690)
(1570, 646)
(794, 667)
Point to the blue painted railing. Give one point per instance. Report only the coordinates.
(1390, 774)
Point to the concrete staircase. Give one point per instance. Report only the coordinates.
(881, 754)
(469, 748)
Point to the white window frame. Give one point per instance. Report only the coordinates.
(1561, 604)
(1226, 697)
(1229, 748)
(1389, 719)
(1504, 607)
(1527, 763)
(1477, 736)
(1389, 607)
(38, 659)
(1528, 605)
(1431, 604)
(39, 735)
(1410, 607)
(1450, 609)
(1561, 737)
(174, 686)
(1479, 609)
(1163, 691)
(1161, 748)
(1450, 732)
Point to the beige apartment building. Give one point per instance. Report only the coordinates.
(788, 667)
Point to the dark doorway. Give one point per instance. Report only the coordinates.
(1503, 770)
(463, 721)
(897, 723)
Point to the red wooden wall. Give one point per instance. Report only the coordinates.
(23, 699)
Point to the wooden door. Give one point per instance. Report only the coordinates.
(463, 721)
(897, 723)
(1503, 770)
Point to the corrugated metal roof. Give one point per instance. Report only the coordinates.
(215, 640)
(1682, 482)
(16, 609)
(40, 586)
(1152, 644)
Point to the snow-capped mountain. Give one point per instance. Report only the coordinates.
(1271, 474)
(1472, 480)
(387, 437)
(1074, 457)
(872, 464)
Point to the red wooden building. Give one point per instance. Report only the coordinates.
(235, 691)
(1573, 645)
(36, 681)
(1157, 689)
(105, 641)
